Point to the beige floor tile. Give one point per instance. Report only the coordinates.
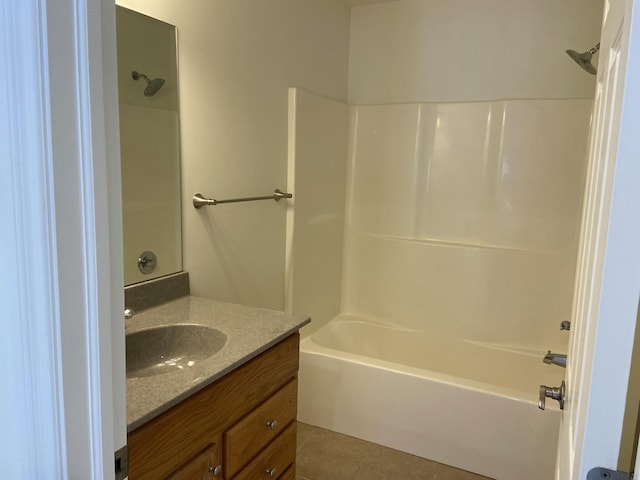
(326, 455)
(393, 465)
(330, 456)
(305, 432)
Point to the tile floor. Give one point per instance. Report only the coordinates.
(326, 455)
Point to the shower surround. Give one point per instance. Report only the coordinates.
(471, 212)
(457, 248)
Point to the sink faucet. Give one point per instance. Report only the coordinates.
(555, 359)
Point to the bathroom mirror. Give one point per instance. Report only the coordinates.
(149, 146)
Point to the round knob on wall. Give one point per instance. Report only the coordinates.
(271, 472)
(272, 425)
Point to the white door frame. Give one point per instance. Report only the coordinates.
(61, 275)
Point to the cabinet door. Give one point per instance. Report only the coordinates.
(204, 466)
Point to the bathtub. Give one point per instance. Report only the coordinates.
(467, 404)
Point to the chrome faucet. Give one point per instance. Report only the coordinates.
(555, 359)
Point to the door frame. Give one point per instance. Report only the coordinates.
(62, 232)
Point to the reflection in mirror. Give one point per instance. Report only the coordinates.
(149, 146)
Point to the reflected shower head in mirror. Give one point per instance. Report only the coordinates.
(152, 85)
(584, 59)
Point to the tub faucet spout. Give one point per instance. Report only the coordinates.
(555, 359)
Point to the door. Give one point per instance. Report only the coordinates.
(608, 269)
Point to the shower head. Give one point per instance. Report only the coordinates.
(152, 85)
(584, 59)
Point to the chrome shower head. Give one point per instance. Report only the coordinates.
(152, 85)
(584, 59)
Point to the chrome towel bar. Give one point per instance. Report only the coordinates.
(200, 201)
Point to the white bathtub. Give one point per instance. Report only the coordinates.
(465, 404)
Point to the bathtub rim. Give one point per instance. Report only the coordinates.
(309, 346)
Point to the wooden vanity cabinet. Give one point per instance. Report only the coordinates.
(244, 424)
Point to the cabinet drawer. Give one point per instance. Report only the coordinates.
(275, 458)
(258, 428)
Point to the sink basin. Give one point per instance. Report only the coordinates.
(170, 348)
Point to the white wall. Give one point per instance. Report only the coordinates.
(467, 50)
(237, 59)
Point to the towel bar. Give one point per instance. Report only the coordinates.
(199, 201)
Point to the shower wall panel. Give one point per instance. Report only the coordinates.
(463, 218)
(318, 143)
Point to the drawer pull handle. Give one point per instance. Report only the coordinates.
(216, 471)
(273, 424)
(272, 472)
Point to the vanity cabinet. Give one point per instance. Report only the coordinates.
(243, 424)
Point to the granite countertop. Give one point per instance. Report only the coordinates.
(250, 331)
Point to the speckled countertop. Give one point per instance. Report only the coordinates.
(250, 331)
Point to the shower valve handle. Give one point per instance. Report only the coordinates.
(556, 393)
